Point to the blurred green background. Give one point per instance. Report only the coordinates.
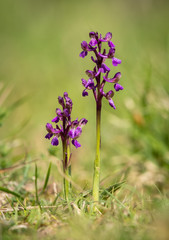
(40, 46)
(39, 60)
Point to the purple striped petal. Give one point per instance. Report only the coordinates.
(83, 54)
(116, 61)
(78, 132)
(72, 133)
(109, 94)
(93, 42)
(84, 82)
(108, 36)
(55, 141)
(76, 143)
(111, 44)
(58, 112)
(90, 84)
(111, 53)
(92, 34)
(84, 45)
(90, 74)
(106, 68)
(118, 87)
(103, 56)
(50, 128)
(49, 135)
(56, 119)
(83, 122)
(85, 93)
(112, 103)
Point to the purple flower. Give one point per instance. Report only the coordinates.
(109, 94)
(68, 129)
(55, 141)
(115, 79)
(116, 61)
(118, 87)
(68, 103)
(85, 93)
(58, 112)
(93, 42)
(86, 48)
(90, 74)
(111, 103)
(49, 135)
(76, 143)
(61, 101)
(83, 122)
(107, 38)
(55, 119)
(88, 86)
(75, 132)
(92, 34)
(109, 55)
(102, 69)
(83, 54)
(111, 44)
(50, 128)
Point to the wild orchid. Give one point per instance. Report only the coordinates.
(96, 83)
(68, 131)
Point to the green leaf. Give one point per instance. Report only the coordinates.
(47, 177)
(104, 193)
(10, 192)
(36, 183)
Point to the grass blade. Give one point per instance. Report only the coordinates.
(10, 192)
(47, 177)
(113, 188)
(36, 184)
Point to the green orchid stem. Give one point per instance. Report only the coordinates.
(96, 178)
(66, 169)
(69, 166)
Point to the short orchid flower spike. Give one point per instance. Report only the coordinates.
(67, 131)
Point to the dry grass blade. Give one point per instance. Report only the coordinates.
(17, 166)
(4, 95)
(3, 210)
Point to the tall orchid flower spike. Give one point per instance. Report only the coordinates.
(68, 131)
(98, 77)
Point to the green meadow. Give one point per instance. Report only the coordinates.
(39, 60)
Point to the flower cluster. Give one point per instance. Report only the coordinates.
(95, 45)
(68, 129)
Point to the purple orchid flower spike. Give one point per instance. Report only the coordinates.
(101, 67)
(98, 77)
(68, 131)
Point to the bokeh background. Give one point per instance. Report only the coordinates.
(39, 60)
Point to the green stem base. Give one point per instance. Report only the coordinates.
(96, 177)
